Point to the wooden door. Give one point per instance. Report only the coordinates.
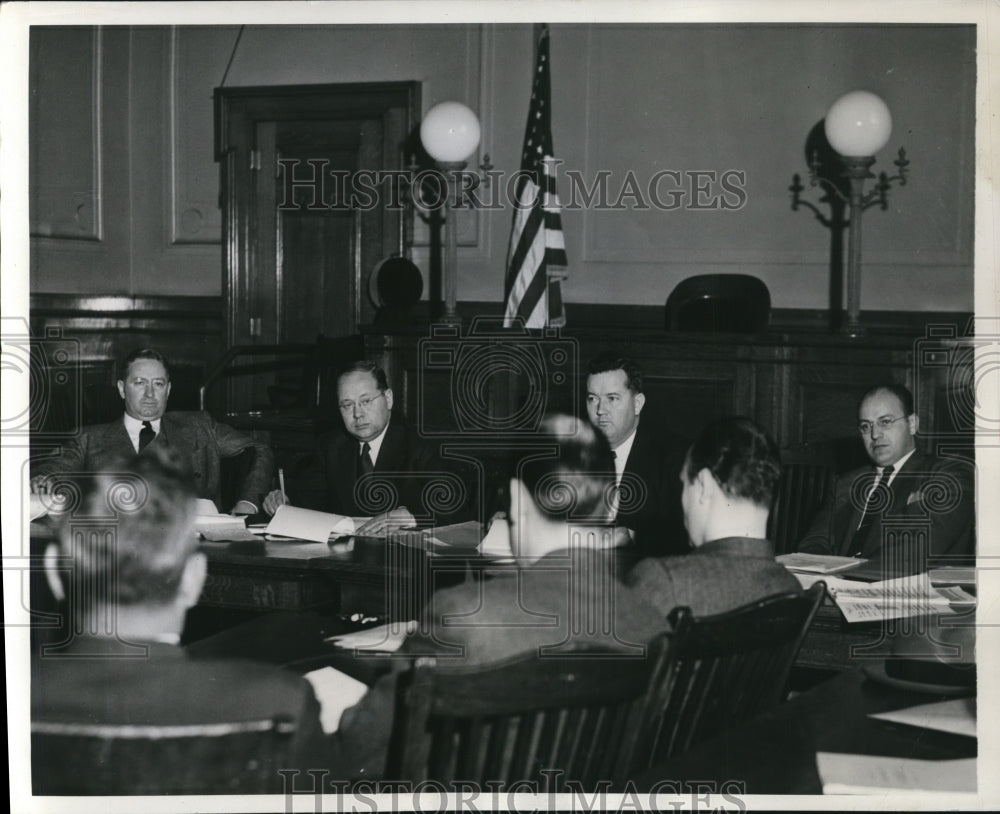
(299, 247)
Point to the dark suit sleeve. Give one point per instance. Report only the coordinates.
(949, 498)
(229, 443)
(72, 458)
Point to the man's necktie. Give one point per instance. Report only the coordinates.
(146, 434)
(867, 517)
(365, 465)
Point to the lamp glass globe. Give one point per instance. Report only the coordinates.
(450, 132)
(858, 124)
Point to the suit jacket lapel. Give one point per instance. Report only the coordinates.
(392, 455)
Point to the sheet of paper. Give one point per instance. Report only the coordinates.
(220, 535)
(496, 543)
(335, 691)
(894, 598)
(386, 638)
(957, 715)
(817, 563)
(306, 524)
(870, 774)
(206, 506)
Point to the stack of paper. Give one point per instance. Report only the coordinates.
(211, 522)
(458, 535)
(817, 563)
(895, 598)
(957, 716)
(385, 638)
(871, 774)
(306, 524)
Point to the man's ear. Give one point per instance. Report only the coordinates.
(640, 400)
(193, 579)
(388, 397)
(706, 484)
(52, 576)
(913, 422)
(121, 388)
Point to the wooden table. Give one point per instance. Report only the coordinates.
(775, 753)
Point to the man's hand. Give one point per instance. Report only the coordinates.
(381, 524)
(244, 507)
(39, 485)
(275, 499)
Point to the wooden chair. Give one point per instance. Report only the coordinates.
(722, 670)
(507, 722)
(801, 491)
(224, 758)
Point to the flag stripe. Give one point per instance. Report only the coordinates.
(536, 244)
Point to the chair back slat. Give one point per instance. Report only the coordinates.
(512, 721)
(232, 758)
(722, 670)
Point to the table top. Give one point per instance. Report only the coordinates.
(775, 753)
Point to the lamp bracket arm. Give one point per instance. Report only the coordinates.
(830, 187)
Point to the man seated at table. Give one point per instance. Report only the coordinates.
(194, 437)
(564, 591)
(378, 467)
(727, 481)
(646, 456)
(908, 507)
(128, 565)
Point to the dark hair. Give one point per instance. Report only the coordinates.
(366, 366)
(742, 458)
(576, 482)
(142, 353)
(609, 361)
(143, 513)
(899, 391)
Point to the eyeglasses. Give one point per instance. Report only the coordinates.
(865, 427)
(364, 404)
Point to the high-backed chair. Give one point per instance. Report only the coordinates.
(222, 758)
(727, 303)
(722, 670)
(801, 490)
(509, 721)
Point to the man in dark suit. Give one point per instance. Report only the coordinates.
(564, 591)
(647, 459)
(728, 479)
(193, 437)
(906, 509)
(129, 568)
(378, 467)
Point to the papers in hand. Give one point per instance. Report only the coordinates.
(496, 543)
(871, 774)
(894, 598)
(817, 563)
(957, 716)
(335, 691)
(306, 524)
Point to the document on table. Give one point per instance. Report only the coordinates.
(306, 524)
(457, 535)
(895, 598)
(385, 638)
(210, 521)
(817, 563)
(335, 691)
(871, 774)
(957, 716)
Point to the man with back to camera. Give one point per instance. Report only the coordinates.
(132, 582)
(646, 458)
(872, 510)
(564, 591)
(380, 447)
(728, 482)
(194, 437)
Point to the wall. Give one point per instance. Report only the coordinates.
(124, 186)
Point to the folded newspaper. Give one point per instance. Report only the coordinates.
(896, 598)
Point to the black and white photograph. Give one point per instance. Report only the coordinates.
(480, 406)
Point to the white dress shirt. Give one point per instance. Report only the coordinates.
(133, 426)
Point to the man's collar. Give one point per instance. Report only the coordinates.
(899, 464)
(134, 425)
(625, 447)
(376, 443)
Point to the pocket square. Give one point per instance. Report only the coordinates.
(914, 497)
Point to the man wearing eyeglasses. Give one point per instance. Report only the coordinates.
(910, 507)
(378, 467)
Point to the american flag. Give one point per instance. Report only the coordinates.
(536, 259)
